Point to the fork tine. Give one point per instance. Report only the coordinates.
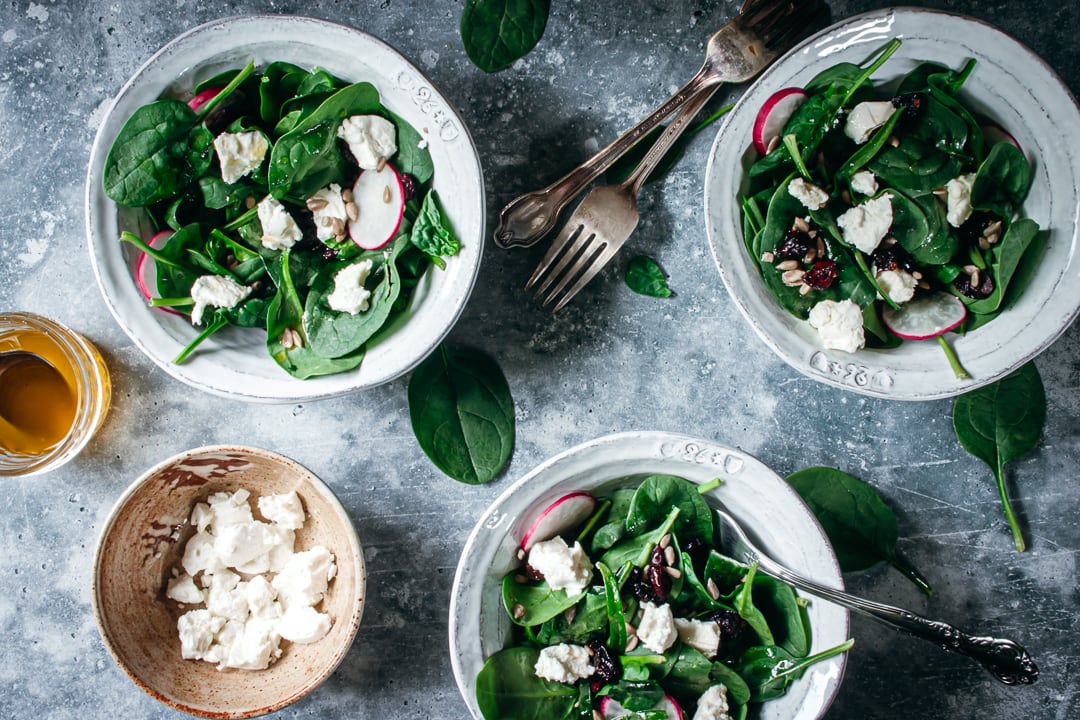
(778, 23)
(558, 244)
(588, 250)
(599, 262)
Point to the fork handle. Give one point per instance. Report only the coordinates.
(1007, 660)
(526, 219)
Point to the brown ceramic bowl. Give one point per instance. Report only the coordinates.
(143, 540)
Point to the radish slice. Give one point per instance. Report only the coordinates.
(380, 205)
(610, 709)
(204, 97)
(926, 317)
(994, 134)
(146, 270)
(559, 516)
(773, 115)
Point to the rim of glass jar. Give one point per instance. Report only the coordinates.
(93, 397)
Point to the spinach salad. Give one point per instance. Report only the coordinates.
(632, 611)
(283, 199)
(888, 212)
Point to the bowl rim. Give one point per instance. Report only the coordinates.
(351, 538)
(98, 208)
(629, 441)
(840, 369)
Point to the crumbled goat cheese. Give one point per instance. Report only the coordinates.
(958, 195)
(899, 285)
(656, 630)
(240, 153)
(279, 230)
(564, 663)
(864, 182)
(327, 207)
(809, 194)
(284, 510)
(839, 324)
(867, 224)
(865, 118)
(369, 137)
(563, 567)
(349, 293)
(702, 635)
(713, 704)
(215, 291)
(226, 565)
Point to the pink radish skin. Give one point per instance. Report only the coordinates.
(146, 270)
(994, 134)
(558, 517)
(377, 219)
(773, 115)
(925, 318)
(202, 98)
(610, 709)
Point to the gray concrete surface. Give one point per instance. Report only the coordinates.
(612, 361)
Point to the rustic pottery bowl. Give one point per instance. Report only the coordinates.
(754, 494)
(143, 540)
(234, 363)
(1010, 86)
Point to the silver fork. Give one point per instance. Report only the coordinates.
(1006, 660)
(602, 222)
(735, 53)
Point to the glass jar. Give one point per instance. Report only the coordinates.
(54, 393)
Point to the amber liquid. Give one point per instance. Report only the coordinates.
(38, 400)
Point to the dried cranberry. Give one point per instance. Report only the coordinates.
(731, 624)
(532, 573)
(408, 186)
(891, 257)
(639, 587)
(697, 550)
(660, 580)
(794, 245)
(963, 285)
(608, 667)
(822, 275)
(911, 104)
(329, 253)
(973, 227)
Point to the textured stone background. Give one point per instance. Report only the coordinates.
(612, 361)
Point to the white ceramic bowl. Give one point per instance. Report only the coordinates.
(1010, 85)
(143, 540)
(234, 363)
(754, 494)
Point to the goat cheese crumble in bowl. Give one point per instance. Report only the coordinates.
(228, 582)
(1009, 87)
(483, 626)
(234, 362)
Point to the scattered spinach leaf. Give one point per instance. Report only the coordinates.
(498, 32)
(645, 277)
(861, 527)
(462, 413)
(1001, 422)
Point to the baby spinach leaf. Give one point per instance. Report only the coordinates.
(150, 159)
(1001, 422)
(413, 156)
(777, 602)
(769, 670)
(614, 605)
(590, 623)
(286, 311)
(537, 602)
(738, 690)
(1002, 181)
(1007, 257)
(690, 675)
(654, 499)
(432, 232)
(498, 32)
(748, 611)
(332, 333)
(507, 688)
(462, 413)
(861, 527)
(307, 157)
(919, 228)
(645, 277)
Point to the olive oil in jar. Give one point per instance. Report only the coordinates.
(37, 406)
(54, 393)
